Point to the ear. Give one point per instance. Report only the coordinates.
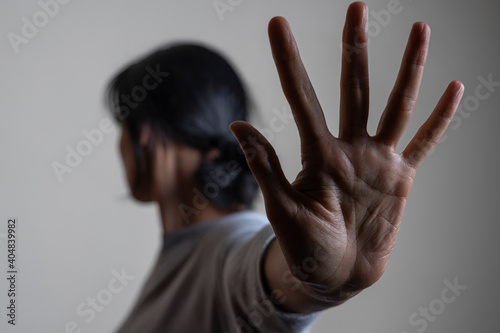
(144, 135)
(212, 154)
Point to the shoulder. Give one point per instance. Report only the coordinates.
(241, 221)
(239, 230)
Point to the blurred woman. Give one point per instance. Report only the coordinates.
(225, 268)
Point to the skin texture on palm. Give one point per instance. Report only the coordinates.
(349, 197)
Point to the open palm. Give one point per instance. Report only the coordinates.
(349, 198)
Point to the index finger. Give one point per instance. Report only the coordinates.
(295, 82)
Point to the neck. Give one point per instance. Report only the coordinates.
(175, 215)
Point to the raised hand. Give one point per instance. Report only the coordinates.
(351, 193)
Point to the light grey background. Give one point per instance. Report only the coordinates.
(75, 232)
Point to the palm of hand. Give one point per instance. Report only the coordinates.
(358, 199)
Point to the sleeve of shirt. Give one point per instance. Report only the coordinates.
(243, 277)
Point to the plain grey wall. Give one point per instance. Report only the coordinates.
(73, 234)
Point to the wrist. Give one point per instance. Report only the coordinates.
(329, 295)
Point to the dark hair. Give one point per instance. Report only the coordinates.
(190, 94)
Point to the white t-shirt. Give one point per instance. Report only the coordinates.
(208, 278)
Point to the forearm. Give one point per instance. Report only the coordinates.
(294, 294)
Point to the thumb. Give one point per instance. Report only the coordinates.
(264, 164)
